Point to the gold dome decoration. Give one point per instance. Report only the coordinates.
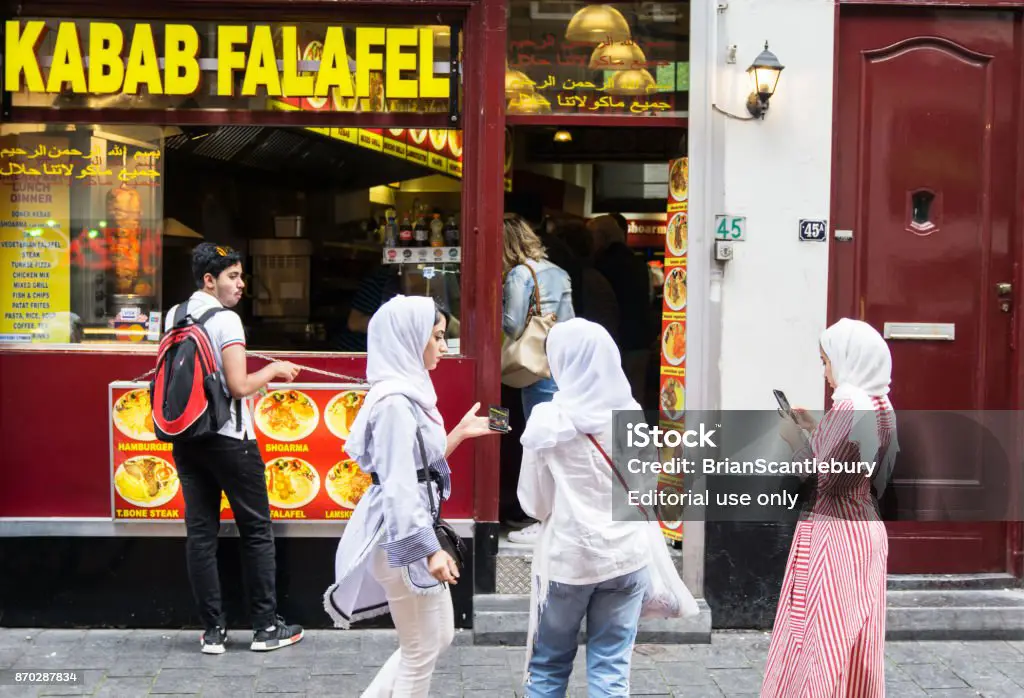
(529, 104)
(517, 83)
(632, 82)
(595, 24)
(621, 55)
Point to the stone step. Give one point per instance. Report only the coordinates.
(925, 582)
(503, 619)
(986, 614)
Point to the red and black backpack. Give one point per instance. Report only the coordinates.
(188, 393)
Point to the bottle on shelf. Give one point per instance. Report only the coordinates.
(421, 231)
(437, 231)
(390, 228)
(405, 236)
(451, 232)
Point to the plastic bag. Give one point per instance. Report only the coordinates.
(667, 596)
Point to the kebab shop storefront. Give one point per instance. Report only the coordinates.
(341, 155)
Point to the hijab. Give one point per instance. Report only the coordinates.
(586, 366)
(396, 337)
(862, 370)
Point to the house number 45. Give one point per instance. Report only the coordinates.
(730, 227)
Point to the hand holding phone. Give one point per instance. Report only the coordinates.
(497, 419)
(785, 410)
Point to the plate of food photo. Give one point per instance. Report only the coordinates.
(438, 137)
(455, 143)
(676, 234)
(675, 289)
(146, 481)
(347, 483)
(133, 415)
(678, 177)
(673, 343)
(291, 482)
(672, 398)
(287, 415)
(341, 411)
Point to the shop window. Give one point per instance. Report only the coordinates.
(598, 60)
(101, 219)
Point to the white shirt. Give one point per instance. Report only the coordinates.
(569, 486)
(225, 330)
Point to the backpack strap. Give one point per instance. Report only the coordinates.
(202, 320)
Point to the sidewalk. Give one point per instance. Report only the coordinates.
(338, 663)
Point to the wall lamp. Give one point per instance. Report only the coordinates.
(765, 72)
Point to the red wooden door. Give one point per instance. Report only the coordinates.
(925, 176)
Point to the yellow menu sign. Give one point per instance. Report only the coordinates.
(35, 269)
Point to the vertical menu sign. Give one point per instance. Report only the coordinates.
(672, 393)
(35, 274)
(301, 430)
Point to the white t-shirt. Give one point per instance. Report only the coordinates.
(225, 330)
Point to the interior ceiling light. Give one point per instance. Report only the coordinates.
(621, 55)
(517, 83)
(595, 24)
(563, 136)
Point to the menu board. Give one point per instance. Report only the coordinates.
(301, 430)
(35, 276)
(672, 393)
(436, 149)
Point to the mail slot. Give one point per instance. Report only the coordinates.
(920, 331)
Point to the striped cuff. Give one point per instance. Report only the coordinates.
(415, 547)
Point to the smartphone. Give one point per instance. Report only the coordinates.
(497, 419)
(784, 404)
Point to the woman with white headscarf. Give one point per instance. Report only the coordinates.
(586, 564)
(829, 633)
(389, 557)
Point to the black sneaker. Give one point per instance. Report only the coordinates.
(276, 636)
(213, 640)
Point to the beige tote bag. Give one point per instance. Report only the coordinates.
(523, 360)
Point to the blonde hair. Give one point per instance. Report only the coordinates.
(521, 243)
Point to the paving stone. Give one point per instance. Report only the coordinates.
(685, 674)
(709, 691)
(123, 688)
(737, 680)
(931, 676)
(180, 680)
(281, 679)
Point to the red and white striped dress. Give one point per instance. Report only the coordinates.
(829, 635)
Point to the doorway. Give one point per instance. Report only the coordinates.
(925, 179)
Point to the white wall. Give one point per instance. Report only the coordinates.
(775, 172)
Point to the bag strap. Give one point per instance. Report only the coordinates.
(622, 480)
(435, 510)
(536, 290)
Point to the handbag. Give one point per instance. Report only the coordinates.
(450, 541)
(667, 595)
(524, 360)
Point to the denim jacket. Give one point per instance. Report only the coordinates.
(555, 295)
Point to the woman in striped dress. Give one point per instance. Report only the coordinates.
(829, 633)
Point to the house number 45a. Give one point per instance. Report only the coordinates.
(730, 227)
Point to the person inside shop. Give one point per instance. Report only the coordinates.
(829, 631)
(527, 275)
(598, 301)
(627, 273)
(229, 461)
(373, 291)
(389, 557)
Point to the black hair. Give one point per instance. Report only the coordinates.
(621, 220)
(208, 258)
(441, 312)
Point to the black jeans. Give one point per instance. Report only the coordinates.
(206, 467)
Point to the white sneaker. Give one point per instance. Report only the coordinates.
(527, 536)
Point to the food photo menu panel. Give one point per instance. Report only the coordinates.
(672, 393)
(301, 430)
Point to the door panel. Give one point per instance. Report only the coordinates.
(924, 175)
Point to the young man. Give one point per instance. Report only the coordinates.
(230, 461)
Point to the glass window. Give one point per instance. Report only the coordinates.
(599, 60)
(101, 220)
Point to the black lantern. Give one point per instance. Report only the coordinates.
(765, 72)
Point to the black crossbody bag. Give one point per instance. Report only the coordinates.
(449, 540)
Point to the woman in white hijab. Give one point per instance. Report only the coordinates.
(829, 633)
(586, 564)
(389, 557)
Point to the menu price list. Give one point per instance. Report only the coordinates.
(35, 282)
(301, 431)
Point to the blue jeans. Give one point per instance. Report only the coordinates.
(612, 610)
(541, 391)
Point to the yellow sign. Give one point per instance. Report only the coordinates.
(35, 263)
(123, 64)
